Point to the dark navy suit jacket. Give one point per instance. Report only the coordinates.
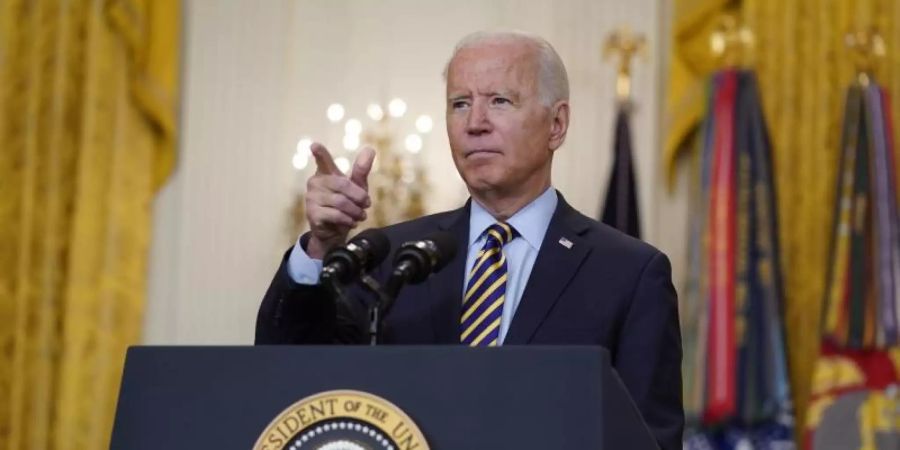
(608, 289)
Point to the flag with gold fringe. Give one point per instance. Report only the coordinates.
(737, 390)
(855, 386)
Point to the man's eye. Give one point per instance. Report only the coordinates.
(457, 104)
(501, 101)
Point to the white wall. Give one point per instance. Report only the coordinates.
(258, 75)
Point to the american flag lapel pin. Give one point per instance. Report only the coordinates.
(565, 242)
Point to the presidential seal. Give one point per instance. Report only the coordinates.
(342, 420)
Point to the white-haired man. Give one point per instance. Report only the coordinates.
(535, 270)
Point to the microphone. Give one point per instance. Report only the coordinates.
(416, 260)
(365, 251)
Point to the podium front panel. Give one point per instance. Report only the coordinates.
(461, 398)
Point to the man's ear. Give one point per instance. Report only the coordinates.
(559, 124)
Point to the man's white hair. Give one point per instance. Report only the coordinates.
(553, 81)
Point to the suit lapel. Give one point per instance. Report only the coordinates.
(558, 260)
(446, 285)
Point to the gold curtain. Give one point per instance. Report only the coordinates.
(87, 127)
(804, 69)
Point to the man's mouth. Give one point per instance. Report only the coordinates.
(482, 152)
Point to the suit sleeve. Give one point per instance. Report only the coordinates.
(648, 353)
(293, 313)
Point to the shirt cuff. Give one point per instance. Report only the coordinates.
(301, 268)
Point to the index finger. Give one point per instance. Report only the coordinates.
(324, 162)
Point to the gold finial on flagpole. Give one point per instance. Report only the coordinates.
(626, 45)
(732, 42)
(866, 46)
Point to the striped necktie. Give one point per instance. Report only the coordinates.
(486, 289)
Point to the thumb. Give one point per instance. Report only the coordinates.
(362, 166)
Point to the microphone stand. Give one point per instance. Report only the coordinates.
(378, 309)
(386, 296)
(384, 299)
(375, 314)
(397, 280)
(334, 287)
(427, 255)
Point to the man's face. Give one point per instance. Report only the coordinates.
(501, 136)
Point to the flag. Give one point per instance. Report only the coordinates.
(738, 395)
(620, 210)
(855, 399)
(860, 304)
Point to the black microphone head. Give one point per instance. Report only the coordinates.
(377, 246)
(365, 251)
(419, 259)
(445, 244)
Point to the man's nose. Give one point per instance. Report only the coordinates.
(478, 123)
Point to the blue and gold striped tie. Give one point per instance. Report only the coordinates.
(486, 289)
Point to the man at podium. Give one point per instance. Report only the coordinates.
(530, 269)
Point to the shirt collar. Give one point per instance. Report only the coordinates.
(531, 221)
